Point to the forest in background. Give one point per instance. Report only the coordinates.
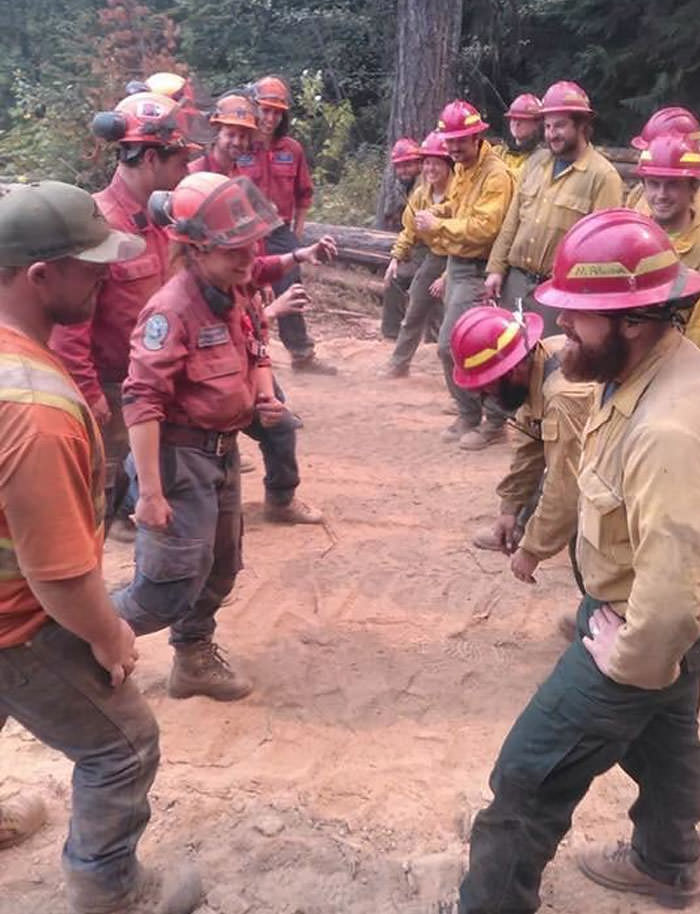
(62, 60)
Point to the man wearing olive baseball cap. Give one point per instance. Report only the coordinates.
(65, 655)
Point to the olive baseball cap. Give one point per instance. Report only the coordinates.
(48, 220)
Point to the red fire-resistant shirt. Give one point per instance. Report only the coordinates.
(98, 350)
(209, 162)
(190, 365)
(282, 175)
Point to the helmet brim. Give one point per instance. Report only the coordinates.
(659, 171)
(465, 131)
(546, 294)
(116, 247)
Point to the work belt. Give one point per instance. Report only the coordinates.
(207, 440)
(535, 278)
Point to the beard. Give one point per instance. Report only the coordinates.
(407, 183)
(510, 397)
(603, 362)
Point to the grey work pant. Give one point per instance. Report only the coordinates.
(292, 327)
(55, 688)
(423, 309)
(578, 725)
(464, 289)
(116, 443)
(518, 284)
(183, 574)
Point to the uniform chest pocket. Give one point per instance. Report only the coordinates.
(285, 171)
(568, 209)
(140, 268)
(205, 364)
(602, 517)
(549, 430)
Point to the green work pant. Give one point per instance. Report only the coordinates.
(519, 284)
(423, 309)
(395, 299)
(578, 725)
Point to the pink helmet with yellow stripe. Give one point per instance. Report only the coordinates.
(670, 156)
(487, 342)
(458, 119)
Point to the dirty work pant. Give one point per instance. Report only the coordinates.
(465, 285)
(292, 327)
(422, 307)
(395, 299)
(55, 688)
(578, 725)
(278, 445)
(183, 574)
(519, 284)
(116, 443)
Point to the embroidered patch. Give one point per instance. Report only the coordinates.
(282, 158)
(155, 332)
(213, 335)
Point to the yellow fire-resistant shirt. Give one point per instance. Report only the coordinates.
(512, 158)
(687, 245)
(639, 512)
(421, 198)
(479, 197)
(545, 207)
(552, 421)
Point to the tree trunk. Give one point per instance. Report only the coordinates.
(427, 43)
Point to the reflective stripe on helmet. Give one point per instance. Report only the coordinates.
(504, 339)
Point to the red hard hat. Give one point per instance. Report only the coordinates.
(458, 119)
(668, 120)
(405, 149)
(211, 211)
(614, 260)
(670, 156)
(434, 145)
(272, 92)
(487, 342)
(235, 111)
(565, 98)
(152, 119)
(526, 107)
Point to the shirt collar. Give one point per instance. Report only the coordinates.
(535, 394)
(136, 212)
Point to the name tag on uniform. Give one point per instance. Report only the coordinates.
(282, 158)
(245, 161)
(214, 335)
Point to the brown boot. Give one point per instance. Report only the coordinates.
(174, 890)
(199, 668)
(20, 817)
(311, 365)
(459, 427)
(479, 438)
(487, 539)
(612, 866)
(296, 512)
(391, 370)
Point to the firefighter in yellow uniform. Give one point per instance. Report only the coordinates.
(557, 187)
(503, 354)
(670, 171)
(466, 226)
(525, 128)
(663, 121)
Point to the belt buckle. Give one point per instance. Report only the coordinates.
(220, 441)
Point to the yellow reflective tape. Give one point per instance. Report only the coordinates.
(614, 268)
(506, 337)
(645, 155)
(441, 125)
(471, 119)
(22, 395)
(693, 157)
(656, 262)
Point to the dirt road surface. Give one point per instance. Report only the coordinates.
(390, 659)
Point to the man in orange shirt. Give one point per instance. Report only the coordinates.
(65, 655)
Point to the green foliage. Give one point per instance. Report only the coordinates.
(352, 199)
(323, 128)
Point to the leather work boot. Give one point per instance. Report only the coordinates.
(122, 530)
(392, 370)
(247, 464)
(450, 409)
(199, 668)
(311, 365)
(296, 512)
(487, 539)
(175, 890)
(479, 438)
(612, 866)
(458, 429)
(20, 817)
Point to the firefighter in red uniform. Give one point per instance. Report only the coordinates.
(236, 123)
(155, 137)
(277, 165)
(199, 373)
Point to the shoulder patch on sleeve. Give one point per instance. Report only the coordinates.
(155, 332)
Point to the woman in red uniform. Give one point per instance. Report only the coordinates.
(277, 165)
(198, 373)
